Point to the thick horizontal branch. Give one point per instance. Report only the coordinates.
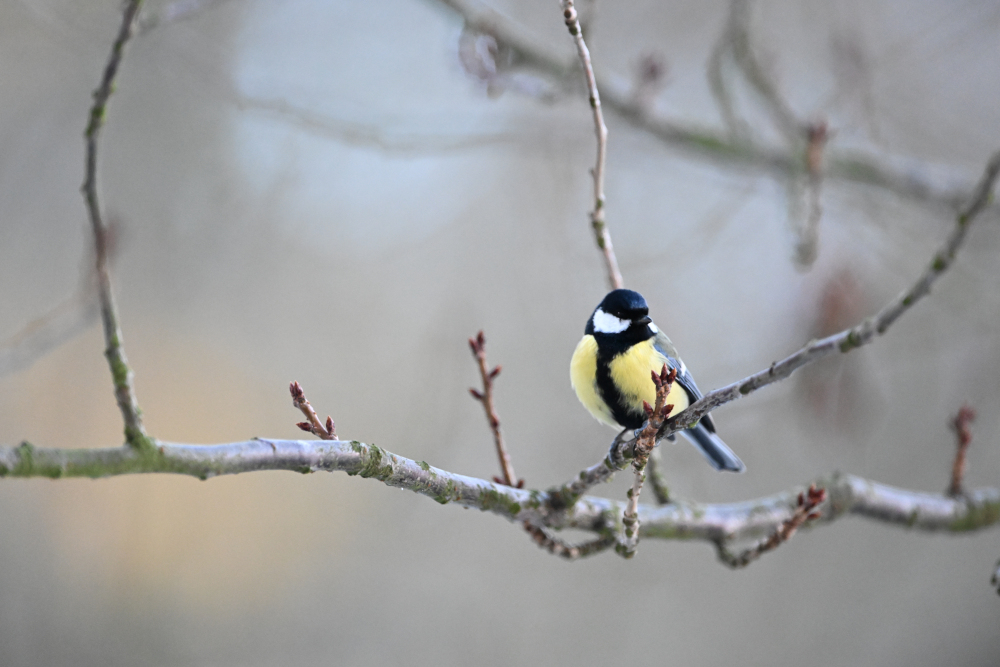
(848, 494)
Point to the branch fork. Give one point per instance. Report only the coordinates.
(488, 375)
(542, 536)
(805, 511)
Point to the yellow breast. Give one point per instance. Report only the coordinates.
(583, 376)
(630, 372)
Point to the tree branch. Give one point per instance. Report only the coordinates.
(809, 500)
(977, 509)
(601, 234)
(478, 347)
(741, 46)
(44, 334)
(654, 469)
(135, 433)
(543, 537)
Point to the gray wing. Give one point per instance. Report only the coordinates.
(702, 434)
(667, 349)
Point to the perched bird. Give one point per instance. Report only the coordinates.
(610, 372)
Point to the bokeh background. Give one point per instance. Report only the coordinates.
(322, 191)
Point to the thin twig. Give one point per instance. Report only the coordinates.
(544, 539)
(619, 455)
(960, 424)
(806, 511)
(63, 322)
(43, 334)
(741, 46)
(806, 248)
(313, 425)
(656, 416)
(736, 126)
(369, 135)
(601, 233)
(485, 397)
(654, 470)
(135, 433)
(558, 547)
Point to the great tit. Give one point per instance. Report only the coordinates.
(610, 372)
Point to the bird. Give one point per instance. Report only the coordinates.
(610, 372)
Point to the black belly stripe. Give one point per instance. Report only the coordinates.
(613, 398)
(619, 407)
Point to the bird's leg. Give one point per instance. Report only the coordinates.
(620, 438)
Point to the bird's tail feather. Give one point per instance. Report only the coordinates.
(716, 451)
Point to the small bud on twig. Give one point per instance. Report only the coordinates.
(806, 509)
(478, 347)
(313, 425)
(960, 424)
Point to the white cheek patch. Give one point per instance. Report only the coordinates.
(607, 323)
(655, 329)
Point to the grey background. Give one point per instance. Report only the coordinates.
(257, 247)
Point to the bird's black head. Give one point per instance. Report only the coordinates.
(624, 314)
(625, 304)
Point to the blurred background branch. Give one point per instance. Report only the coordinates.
(728, 148)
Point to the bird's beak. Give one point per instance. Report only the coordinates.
(644, 320)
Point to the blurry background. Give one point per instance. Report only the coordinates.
(342, 193)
